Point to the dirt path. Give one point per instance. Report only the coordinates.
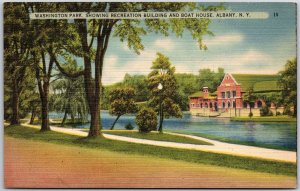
(34, 164)
(217, 147)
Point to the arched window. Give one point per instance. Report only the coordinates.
(234, 104)
(206, 106)
(201, 105)
(223, 104)
(228, 104)
(210, 105)
(259, 104)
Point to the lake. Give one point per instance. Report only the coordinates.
(254, 133)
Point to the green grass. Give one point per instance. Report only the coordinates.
(248, 163)
(266, 119)
(257, 81)
(228, 140)
(158, 137)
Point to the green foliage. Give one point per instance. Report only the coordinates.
(122, 101)
(288, 81)
(187, 84)
(265, 111)
(210, 79)
(69, 95)
(128, 126)
(146, 119)
(18, 79)
(258, 82)
(138, 83)
(163, 73)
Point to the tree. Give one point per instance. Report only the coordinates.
(121, 103)
(187, 84)
(69, 97)
(288, 81)
(127, 30)
(249, 97)
(139, 84)
(35, 107)
(163, 100)
(146, 119)
(16, 55)
(210, 79)
(276, 99)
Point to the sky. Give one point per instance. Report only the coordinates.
(256, 46)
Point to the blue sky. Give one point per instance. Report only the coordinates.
(257, 46)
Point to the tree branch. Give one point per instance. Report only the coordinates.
(63, 71)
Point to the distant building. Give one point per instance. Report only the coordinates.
(228, 100)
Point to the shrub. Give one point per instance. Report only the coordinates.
(146, 119)
(250, 114)
(287, 111)
(129, 126)
(265, 111)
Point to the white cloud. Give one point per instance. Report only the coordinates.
(226, 39)
(252, 61)
(140, 64)
(164, 43)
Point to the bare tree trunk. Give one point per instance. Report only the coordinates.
(64, 119)
(15, 120)
(45, 116)
(160, 129)
(32, 116)
(113, 125)
(95, 124)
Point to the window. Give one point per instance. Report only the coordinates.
(223, 94)
(233, 93)
(228, 94)
(228, 104)
(223, 104)
(210, 105)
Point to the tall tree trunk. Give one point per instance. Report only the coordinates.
(32, 116)
(15, 120)
(65, 117)
(113, 125)
(45, 116)
(160, 129)
(95, 124)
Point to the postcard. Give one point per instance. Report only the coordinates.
(150, 95)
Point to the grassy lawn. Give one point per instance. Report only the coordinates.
(266, 119)
(227, 140)
(248, 163)
(157, 137)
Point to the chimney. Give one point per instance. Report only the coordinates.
(205, 92)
